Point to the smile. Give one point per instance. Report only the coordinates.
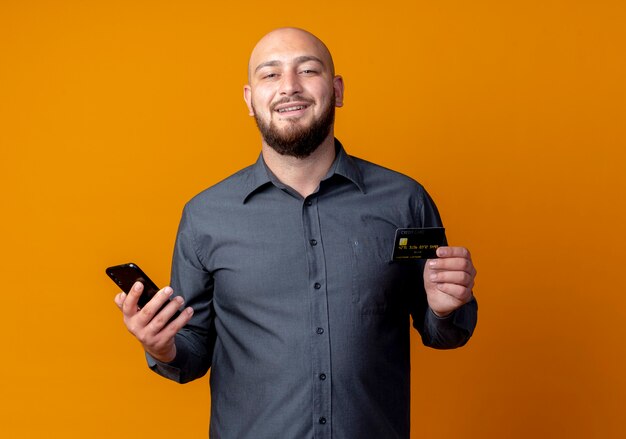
(294, 108)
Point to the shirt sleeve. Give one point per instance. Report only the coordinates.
(447, 332)
(192, 281)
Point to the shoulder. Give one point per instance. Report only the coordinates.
(232, 189)
(395, 191)
(379, 178)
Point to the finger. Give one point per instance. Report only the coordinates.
(453, 252)
(147, 313)
(452, 277)
(458, 292)
(452, 264)
(164, 337)
(129, 307)
(178, 323)
(119, 299)
(162, 317)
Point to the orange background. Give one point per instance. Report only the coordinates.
(512, 114)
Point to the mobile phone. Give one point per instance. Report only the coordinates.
(125, 276)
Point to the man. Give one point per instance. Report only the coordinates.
(285, 267)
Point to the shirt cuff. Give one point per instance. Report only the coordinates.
(452, 330)
(171, 370)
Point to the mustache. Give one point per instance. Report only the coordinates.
(287, 100)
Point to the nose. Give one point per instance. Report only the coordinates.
(290, 84)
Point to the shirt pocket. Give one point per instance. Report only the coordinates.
(375, 278)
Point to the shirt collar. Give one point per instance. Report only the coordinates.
(343, 165)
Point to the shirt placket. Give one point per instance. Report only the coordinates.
(319, 330)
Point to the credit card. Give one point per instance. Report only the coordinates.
(422, 243)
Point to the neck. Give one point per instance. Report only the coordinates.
(303, 175)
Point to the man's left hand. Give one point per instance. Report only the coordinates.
(449, 280)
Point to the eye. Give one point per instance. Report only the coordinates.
(308, 72)
(266, 74)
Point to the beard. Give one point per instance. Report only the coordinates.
(294, 140)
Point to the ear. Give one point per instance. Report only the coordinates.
(338, 87)
(247, 96)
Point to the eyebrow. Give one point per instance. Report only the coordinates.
(298, 60)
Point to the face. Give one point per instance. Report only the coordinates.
(293, 91)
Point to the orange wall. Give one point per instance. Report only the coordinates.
(512, 114)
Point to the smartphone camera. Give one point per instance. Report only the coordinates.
(115, 279)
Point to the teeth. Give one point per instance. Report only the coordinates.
(297, 107)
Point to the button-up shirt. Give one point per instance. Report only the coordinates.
(299, 311)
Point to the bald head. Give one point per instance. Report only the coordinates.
(284, 40)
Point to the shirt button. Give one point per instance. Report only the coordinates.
(322, 420)
(320, 330)
(308, 202)
(313, 242)
(317, 285)
(322, 376)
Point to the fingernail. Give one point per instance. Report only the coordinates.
(432, 262)
(138, 286)
(179, 300)
(441, 252)
(189, 310)
(168, 291)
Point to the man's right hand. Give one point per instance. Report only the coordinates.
(150, 326)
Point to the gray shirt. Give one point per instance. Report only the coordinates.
(299, 311)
